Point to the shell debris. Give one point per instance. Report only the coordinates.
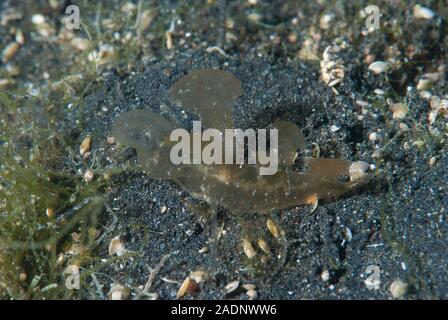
(398, 289)
(85, 146)
(248, 249)
(423, 13)
(272, 227)
(118, 292)
(10, 51)
(116, 247)
(378, 67)
(331, 66)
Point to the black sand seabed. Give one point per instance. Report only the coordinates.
(397, 222)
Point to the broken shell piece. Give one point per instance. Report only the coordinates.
(20, 38)
(85, 146)
(438, 107)
(49, 212)
(183, 288)
(38, 19)
(23, 276)
(325, 276)
(249, 287)
(264, 246)
(80, 44)
(373, 136)
(313, 200)
(252, 294)
(358, 170)
(325, 21)
(378, 67)
(424, 84)
(425, 94)
(249, 249)
(189, 286)
(398, 289)
(199, 276)
(331, 66)
(10, 51)
(88, 175)
(232, 286)
(399, 110)
(432, 161)
(111, 140)
(116, 247)
(118, 292)
(421, 12)
(272, 227)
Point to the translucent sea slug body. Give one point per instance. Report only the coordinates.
(210, 94)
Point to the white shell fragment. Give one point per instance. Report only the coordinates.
(421, 12)
(399, 110)
(10, 51)
(116, 247)
(85, 145)
(378, 67)
(249, 249)
(232, 286)
(358, 170)
(272, 227)
(118, 292)
(183, 288)
(398, 289)
(424, 84)
(331, 66)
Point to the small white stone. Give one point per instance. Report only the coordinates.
(37, 19)
(325, 275)
(334, 128)
(373, 136)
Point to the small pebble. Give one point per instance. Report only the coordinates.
(23, 276)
